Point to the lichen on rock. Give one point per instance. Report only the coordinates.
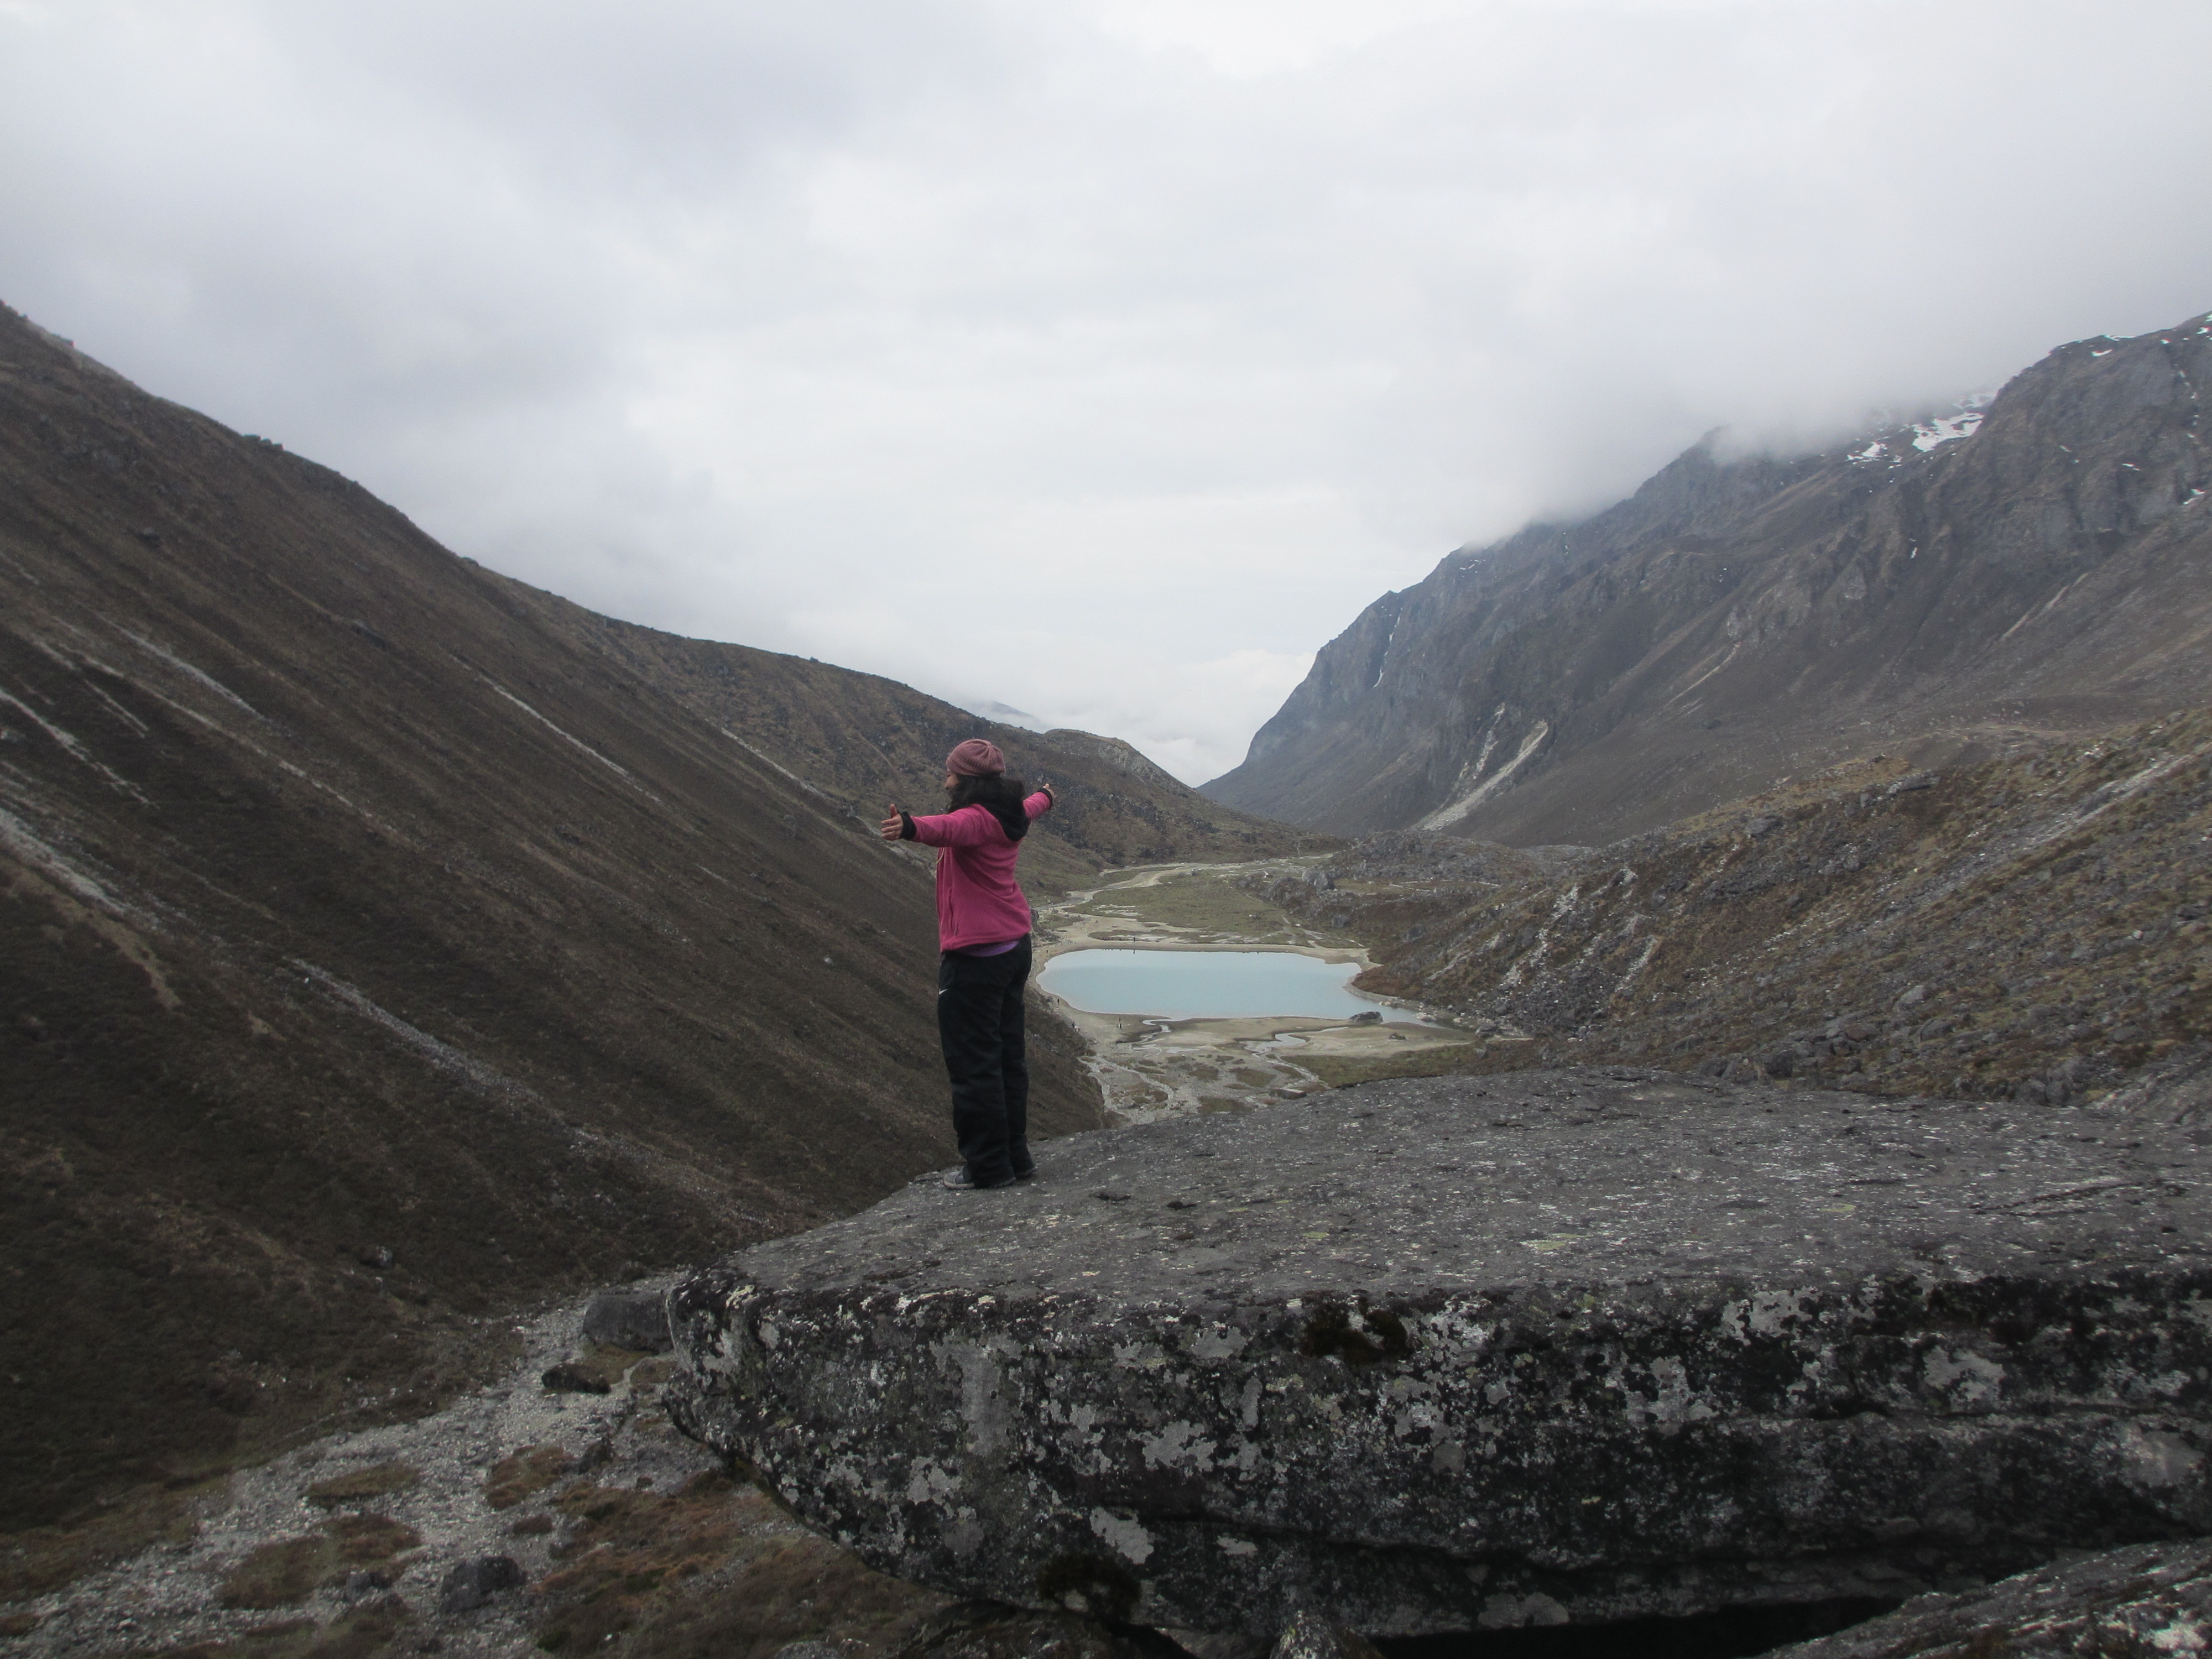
(1461, 1353)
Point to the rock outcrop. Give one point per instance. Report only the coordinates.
(1460, 1353)
(635, 1320)
(2149, 1600)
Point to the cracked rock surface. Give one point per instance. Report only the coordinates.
(1473, 1352)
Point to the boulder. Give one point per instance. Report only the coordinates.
(1467, 1352)
(2149, 1600)
(569, 1377)
(472, 1584)
(632, 1319)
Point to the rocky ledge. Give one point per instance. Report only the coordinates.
(2147, 1602)
(1473, 1352)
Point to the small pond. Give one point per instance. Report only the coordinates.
(1209, 984)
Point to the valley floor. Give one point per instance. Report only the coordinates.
(1148, 1068)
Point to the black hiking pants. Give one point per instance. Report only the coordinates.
(979, 1020)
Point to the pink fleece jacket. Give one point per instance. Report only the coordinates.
(978, 902)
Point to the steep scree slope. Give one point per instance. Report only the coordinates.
(1957, 584)
(372, 957)
(2032, 928)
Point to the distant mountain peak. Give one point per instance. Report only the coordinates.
(2014, 564)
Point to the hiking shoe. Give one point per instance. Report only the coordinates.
(1029, 1174)
(961, 1181)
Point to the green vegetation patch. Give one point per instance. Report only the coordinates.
(597, 1369)
(1429, 1060)
(1200, 900)
(609, 1365)
(652, 1373)
(625, 1545)
(808, 1591)
(1050, 867)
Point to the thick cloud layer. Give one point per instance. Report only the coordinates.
(1101, 357)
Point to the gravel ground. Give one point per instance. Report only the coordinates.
(172, 1596)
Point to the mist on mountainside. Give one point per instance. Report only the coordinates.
(1946, 586)
(810, 329)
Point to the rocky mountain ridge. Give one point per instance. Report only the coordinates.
(1942, 589)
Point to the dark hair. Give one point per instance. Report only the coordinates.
(1001, 791)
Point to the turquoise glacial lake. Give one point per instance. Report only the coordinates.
(1209, 984)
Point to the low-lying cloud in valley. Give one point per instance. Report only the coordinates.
(1104, 358)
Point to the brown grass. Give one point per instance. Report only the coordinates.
(279, 1575)
(808, 1591)
(363, 1538)
(2035, 926)
(366, 1630)
(377, 1481)
(43, 1558)
(516, 1476)
(715, 1569)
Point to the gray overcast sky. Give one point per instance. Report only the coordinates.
(1099, 356)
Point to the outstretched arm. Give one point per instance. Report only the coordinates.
(967, 826)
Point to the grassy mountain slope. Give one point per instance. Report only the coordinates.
(375, 957)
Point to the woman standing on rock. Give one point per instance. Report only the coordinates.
(983, 931)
